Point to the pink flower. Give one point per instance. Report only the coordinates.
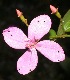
(38, 27)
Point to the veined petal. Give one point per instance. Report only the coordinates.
(52, 50)
(15, 37)
(39, 26)
(27, 62)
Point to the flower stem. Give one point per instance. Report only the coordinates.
(61, 36)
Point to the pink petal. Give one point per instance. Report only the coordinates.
(15, 37)
(52, 50)
(34, 59)
(39, 26)
(27, 62)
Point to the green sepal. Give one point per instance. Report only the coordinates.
(58, 15)
(24, 20)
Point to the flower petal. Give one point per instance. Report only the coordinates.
(39, 26)
(15, 37)
(27, 62)
(52, 50)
